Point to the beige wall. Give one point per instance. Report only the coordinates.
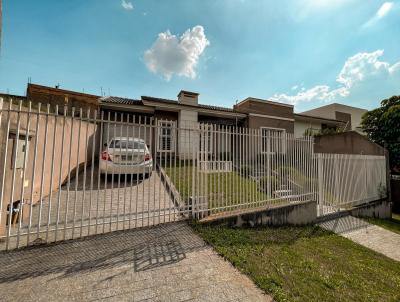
(329, 111)
(73, 139)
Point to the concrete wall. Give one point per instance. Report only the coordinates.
(73, 139)
(346, 143)
(300, 213)
(376, 209)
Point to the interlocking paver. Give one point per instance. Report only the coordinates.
(163, 263)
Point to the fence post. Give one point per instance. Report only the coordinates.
(388, 176)
(320, 181)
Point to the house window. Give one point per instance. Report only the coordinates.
(166, 137)
(273, 140)
(206, 139)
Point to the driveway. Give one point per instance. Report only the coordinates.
(168, 262)
(87, 207)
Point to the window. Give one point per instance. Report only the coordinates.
(166, 137)
(273, 140)
(126, 144)
(206, 139)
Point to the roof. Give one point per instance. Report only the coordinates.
(312, 117)
(334, 106)
(51, 90)
(174, 102)
(251, 99)
(118, 100)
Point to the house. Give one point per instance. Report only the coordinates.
(186, 111)
(351, 115)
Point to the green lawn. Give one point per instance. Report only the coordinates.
(391, 224)
(222, 189)
(306, 263)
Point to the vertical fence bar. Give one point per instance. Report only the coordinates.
(51, 173)
(77, 172)
(11, 204)
(6, 138)
(33, 173)
(22, 193)
(94, 126)
(60, 174)
(43, 171)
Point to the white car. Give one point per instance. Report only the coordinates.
(126, 155)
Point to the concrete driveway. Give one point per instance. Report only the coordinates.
(168, 262)
(87, 207)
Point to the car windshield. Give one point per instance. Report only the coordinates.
(126, 144)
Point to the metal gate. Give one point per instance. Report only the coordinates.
(68, 174)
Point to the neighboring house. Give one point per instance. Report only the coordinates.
(62, 98)
(351, 115)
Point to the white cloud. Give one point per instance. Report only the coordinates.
(171, 55)
(361, 72)
(384, 9)
(127, 5)
(381, 12)
(294, 87)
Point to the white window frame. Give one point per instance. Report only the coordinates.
(166, 124)
(283, 140)
(207, 129)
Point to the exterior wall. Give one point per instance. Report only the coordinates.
(257, 122)
(77, 134)
(335, 111)
(60, 97)
(300, 127)
(265, 108)
(346, 143)
(188, 119)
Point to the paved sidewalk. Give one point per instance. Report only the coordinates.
(366, 234)
(168, 262)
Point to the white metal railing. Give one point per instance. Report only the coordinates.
(346, 180)
(214, 166)
(58, 179)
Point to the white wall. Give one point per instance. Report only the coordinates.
(188, 139)
(300, 127)
(328, 111)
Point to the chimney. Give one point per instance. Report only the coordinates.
(188, 98)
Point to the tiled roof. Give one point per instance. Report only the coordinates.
(118, 100)
(174, 102)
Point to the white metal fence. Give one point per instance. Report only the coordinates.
(347, 180)
(68, 174)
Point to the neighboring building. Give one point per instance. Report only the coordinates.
(61, 97)
(351, 115)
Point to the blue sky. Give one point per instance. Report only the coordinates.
(304, 52)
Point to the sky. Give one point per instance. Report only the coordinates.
(303, 52)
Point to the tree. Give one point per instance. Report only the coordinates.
(382, 126)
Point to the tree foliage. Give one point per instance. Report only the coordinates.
(382, 126)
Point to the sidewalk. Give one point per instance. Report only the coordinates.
(366, 234)
(163, 263)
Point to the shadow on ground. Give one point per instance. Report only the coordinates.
(140, 249)
(344, 224)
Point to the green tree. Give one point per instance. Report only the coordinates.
(382, 126)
